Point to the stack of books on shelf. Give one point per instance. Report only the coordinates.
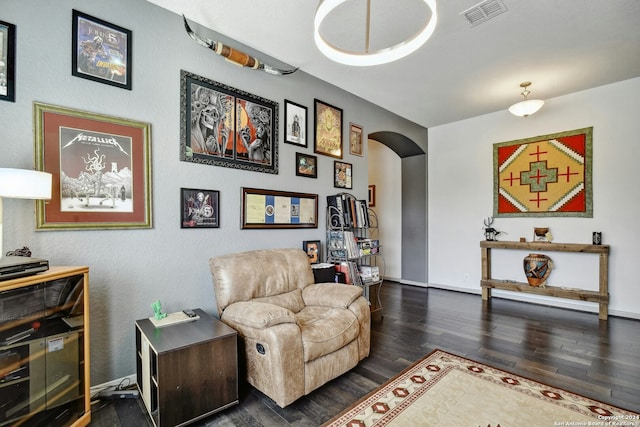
(347, 211)
(350, 271)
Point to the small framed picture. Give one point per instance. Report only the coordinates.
(306, 165)
(200, 208)
(312, 249)
(101, 51)
(372, 196)
(342, 175)
(7, 62)
(355, 139)
(327, 129)
(295, 124)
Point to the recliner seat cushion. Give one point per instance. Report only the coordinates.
(325, 330)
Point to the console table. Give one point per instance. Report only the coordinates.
(601, 296)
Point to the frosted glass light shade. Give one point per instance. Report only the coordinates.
(24, 184)
(526, 108)
(378, 57)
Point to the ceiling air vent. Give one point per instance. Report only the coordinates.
(484, 11)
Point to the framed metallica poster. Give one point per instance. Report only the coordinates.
(101, 170)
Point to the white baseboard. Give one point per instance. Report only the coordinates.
(589, 307)
(114, 383)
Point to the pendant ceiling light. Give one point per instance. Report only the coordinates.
(368, 57)
(528, 106)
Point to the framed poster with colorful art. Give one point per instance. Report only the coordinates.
(547, 175)
(7, 62)
(327, 129)
(101, 51)
(224, 126)
(101, 170)
(200, 208)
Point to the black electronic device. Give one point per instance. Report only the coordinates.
(189, 312)
(12, 267)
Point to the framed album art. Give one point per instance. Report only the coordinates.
(101, 51)
(7, 62)
(327, 129)
(295, 124)
(101, 170)
(200, 208)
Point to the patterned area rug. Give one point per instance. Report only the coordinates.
(443, 389)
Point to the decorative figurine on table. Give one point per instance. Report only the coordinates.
(157, 310)
(490, 233)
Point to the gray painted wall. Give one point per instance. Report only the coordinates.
(132, 268)
(414, 219)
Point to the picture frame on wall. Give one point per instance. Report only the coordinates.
(199, 208)
(295, 123)
(7, 62)
(101, 169)
(372, 196)
(278, 209)
(101, 51)
(343, 175)
(306, 165)
(327, 129)
(355, 139)
(224, 126)
(312, 249)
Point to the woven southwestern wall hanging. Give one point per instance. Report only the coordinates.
(548, 175)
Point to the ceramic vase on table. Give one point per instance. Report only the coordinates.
(537, 268)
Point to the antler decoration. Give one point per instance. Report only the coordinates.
(235, 56)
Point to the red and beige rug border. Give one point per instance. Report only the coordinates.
(349, 417)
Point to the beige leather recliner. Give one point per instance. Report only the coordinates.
(297, 334)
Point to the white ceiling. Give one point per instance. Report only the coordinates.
(561, 46)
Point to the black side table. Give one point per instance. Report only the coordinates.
(186, 371)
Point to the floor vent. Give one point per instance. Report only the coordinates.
(484, 11)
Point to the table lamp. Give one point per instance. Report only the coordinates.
(22, 184)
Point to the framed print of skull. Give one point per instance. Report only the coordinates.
(224, 126)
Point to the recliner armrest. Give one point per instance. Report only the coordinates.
(259, 315)
(331, 294)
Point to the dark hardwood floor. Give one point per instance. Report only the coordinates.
(567, 349)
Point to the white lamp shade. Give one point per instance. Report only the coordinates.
(24, 184)
(526, 108)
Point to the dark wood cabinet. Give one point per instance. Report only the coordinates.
(186, 371)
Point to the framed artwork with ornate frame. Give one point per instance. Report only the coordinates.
(327, 129)
(224, 126)
(101, 170)
(7, 62)
(306, 165)
(372, 196)
(278, 209)
(101, 51)
(295, 123)
(355, 139)
(343, 174)
(200, 208)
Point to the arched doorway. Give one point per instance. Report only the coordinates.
(414, 204)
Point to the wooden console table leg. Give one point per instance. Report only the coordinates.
(486, 272)
(603, 312)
